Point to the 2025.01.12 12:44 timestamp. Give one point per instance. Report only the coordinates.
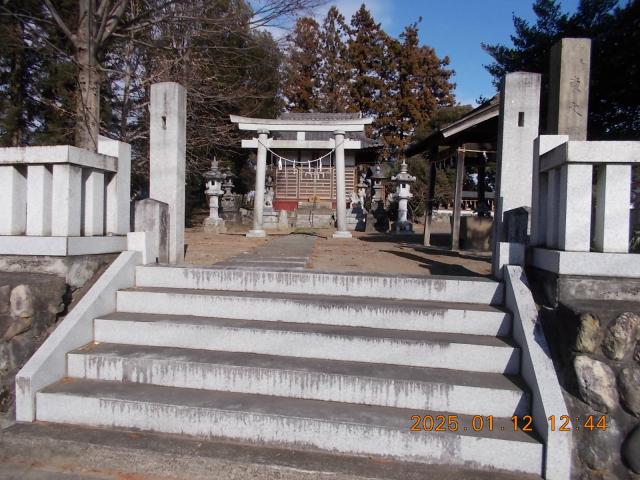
(524, 423)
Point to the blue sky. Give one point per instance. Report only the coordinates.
(455, 28)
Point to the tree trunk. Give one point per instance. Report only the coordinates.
(88, 98)
(17, 108)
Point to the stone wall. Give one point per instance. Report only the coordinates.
(35, 293)
(30, 304)
(596, 350)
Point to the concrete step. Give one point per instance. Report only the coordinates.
(333, 426)
(372, 313)
(402, 287)
(398, 347)
(349, 382)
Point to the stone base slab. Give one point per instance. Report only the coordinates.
(61, 246)
(570, 290)
(342, 235)
(597, 264)
(256, 234)
(214, 225)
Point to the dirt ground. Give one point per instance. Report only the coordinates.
(365, 253)
(383, 253)
(208, 248)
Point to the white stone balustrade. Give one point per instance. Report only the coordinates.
(63, 200)
(563, 212)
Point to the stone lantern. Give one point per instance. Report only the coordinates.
(403, 194)
(214, 177)
(229, 203)
(377, 202)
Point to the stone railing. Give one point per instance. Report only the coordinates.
(64, 200)
(581, 204)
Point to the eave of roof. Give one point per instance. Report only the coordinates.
(475, 117)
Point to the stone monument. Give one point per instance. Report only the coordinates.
(270, 216)
(214, 177)
(229, 201)
(403, 194)
(377, 219)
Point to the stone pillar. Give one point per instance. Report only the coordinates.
(13, 207)
(258, 199)
(613, 197)
(574, 227)
(341, 206)
(93, 203)
(569, 88)
(39, 206)
(551, 205)
(168, 118)
(517, 131)
(118, 186)
(67, 200)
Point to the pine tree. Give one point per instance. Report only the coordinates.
(614, 106)
(333, 74)
(301, 84)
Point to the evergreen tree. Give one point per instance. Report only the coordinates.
(614, 105)
(421, 87)
(17, 65)
(37, 78)
(398, 82)
(367, 53)
(333, 74)
(301, 83)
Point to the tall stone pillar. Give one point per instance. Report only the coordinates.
(517, 131)
(569, 88)
(258, 199)
(567, 114)
(168, 117)
(341, 205)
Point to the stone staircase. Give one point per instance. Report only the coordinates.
(336, 362)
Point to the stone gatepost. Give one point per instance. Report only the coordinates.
(517, 131)
(168, 118)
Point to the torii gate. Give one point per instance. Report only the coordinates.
(264, 126)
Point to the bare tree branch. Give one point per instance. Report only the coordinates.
(63, 26)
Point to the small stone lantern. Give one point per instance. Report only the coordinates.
(229, 198)
(214, 177)
(377, 202)
(403, 194)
